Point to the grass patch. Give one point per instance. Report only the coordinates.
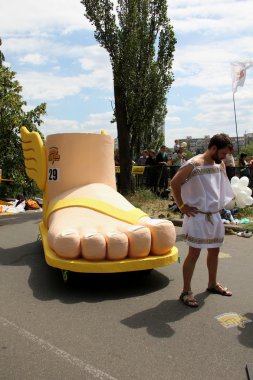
(152, 204)
(246, 212)
(157, 207)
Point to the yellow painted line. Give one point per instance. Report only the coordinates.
(223, 255)
(229, 320)
(86, 368)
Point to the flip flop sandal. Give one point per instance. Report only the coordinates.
(219, 289)
(188, 299)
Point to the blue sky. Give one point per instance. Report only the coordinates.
(51, 47)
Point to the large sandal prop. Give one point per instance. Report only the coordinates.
(105, 266)
(36, 164)
(219, 289)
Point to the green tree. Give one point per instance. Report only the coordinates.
(248, 149)
(12, 117)
(140, 41)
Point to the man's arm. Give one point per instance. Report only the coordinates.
(176, 183)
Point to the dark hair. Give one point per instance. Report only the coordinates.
(220, 141)
(243, 155)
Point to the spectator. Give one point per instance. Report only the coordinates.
(151, 159)
(151, 170)
(161, 157)
(229, 162)
(184, 158)
(177, 160)
(143, 158)
(244, 166)
(251, 171)
(176, 146)
(162, 169)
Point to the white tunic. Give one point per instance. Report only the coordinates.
(209, 190)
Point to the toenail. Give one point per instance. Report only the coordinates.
(68, 232)
(135, 228)
(89, 235)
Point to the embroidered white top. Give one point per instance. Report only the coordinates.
(209, 190)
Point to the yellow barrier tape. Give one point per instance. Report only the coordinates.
(135, 169)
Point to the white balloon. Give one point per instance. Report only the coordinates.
(240, 203)
(242, 195)
(248, 191)
(230, 205)
(244, 181)
(234, 180)
(240, 199)
(236, 189)
(249, 201)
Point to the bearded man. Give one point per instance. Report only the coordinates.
(201, 189)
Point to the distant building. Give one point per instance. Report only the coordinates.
(248, 137)
(199, 145)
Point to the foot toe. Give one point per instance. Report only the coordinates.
(117, 245)
(93, 246)
(163, 236)
(139, 238)
(66, 243)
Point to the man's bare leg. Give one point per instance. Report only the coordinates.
(189, 266)
(212, 265)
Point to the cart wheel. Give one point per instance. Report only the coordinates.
(65, 275)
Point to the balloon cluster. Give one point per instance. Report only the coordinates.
(242, 193)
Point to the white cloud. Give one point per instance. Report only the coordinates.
(94, 124)
(208, 65)
(215, 17)
(50, 87)
(33, 16)
(34, 59)
(210, 36)
(95, 58)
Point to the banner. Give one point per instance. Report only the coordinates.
(238, 72)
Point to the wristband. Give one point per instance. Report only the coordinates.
(182, 205)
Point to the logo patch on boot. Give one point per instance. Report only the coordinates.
(53, 155)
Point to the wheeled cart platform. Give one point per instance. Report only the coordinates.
(105, 266)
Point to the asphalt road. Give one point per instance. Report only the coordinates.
(119, 326)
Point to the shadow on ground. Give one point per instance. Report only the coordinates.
(22, 217)
(246, 336)
(156, 320)
(47, 282)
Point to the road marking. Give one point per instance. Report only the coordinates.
(223, 255)
(57, 351)
(229, 320)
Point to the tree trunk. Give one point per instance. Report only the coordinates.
(124, 142)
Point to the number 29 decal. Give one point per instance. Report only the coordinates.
(53, 174)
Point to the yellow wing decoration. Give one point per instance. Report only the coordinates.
(34, 152)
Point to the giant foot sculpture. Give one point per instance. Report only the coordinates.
(84, 217)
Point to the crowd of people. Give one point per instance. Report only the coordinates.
(245, 166)
(161, 166)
